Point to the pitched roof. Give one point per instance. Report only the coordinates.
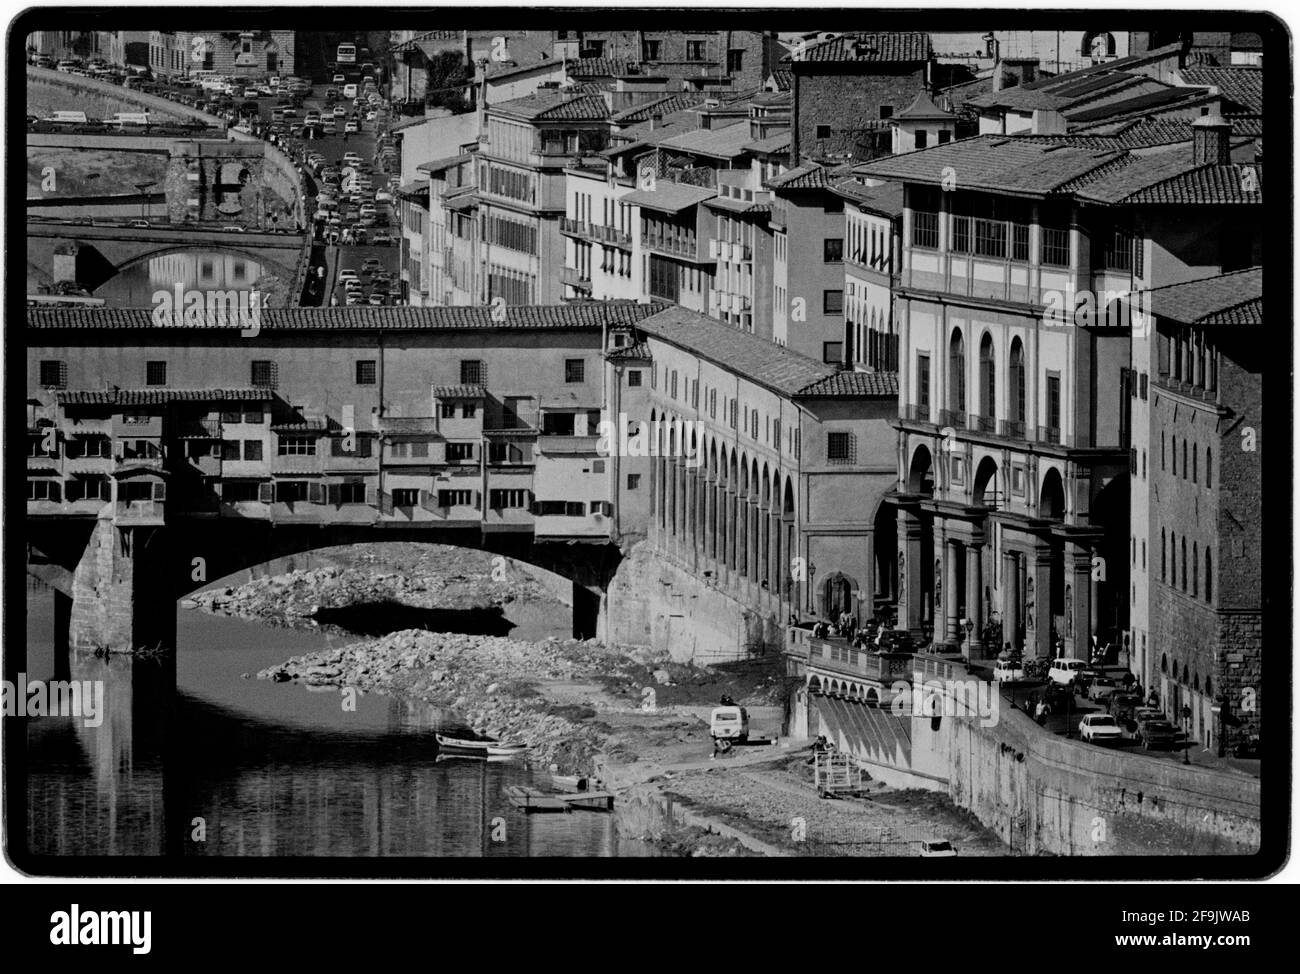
(438, 165)
(670, 197)
(811, 175)
(780, 142)
(1170, 177)
(783, 80)
(636, 352)
(757, 359)
(923, 108)
(885, 199)
(1162, 99)
(667, 105)
(596, 67)
(459, 392)
(554, 104)
(408, 425)
(523, 317)
(865, 47)
(1240, 85)
(157, 397)
(723, 143)
(1235, 298)
(525, 54)
(994, 163)
(873, 384)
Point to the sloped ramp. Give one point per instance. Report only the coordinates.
(868, 733)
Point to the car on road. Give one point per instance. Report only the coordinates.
(340, 111)
(352, 298)
(370, 265)
(251, 93)
(338, 79)
(936, 849)
(351, 126)
(1099, 728)
(377, 300)
(1157, 733)
(382, 238)
(383, 196)
(349, 274)
(1005, 671)
(140, 224)
(1065, 670)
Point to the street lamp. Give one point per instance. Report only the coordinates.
(969, 625)
(141, 188)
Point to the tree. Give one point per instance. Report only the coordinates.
(448, 75)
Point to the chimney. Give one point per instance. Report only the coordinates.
(1047, 121)
(64, 270)
(1210, 141)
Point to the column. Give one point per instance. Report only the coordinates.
(975, 590)
(1038, 602)
(710, 517)
(867, 604)
(1010, 598)
(910, 572)
(952, 621)
(729, 528)
(1079, 573)
(774, 562)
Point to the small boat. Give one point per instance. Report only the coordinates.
(534, 800)
(483, 748)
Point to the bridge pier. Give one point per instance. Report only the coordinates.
(121, 596)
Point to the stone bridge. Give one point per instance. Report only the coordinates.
(50, 91)
(93, 254)
(117, 586)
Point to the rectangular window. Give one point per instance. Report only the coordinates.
(456, 498)
(923, 383)
(735, 62)
(1020, 241)
(155, 373)
(291, 491)
(634, 378)
(649, 52)
(922, 138)
(832, 250)
(500, 500)
(297, 446)
(695, 51)
(960, 234)
(54, 374)
(634, 481)
(925, 229)
(366, 372)
(1054, 401)
(574, 370)
(419, 449)
(229, 449)
(832, 302)
(447, 410)
(840, 447)
(263, 374)
(1056, 247)
(471, 372)
(469, 410)
(832, 352)
(405, 496)
(460, 452)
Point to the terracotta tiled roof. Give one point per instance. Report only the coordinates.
(662, 106)
(525, 317)
(1170, 177)
(596, 67)
(408, 425)
(883, 48)
(923, 108)
(757, 359)
(158, 397)
(459, 392)
(886, 199)
(1242, 86)
(854, 384)
(784, 80)
(1226, 299)
(719, 143)
(810, 175)
(780, 142)
(994, 163)
(554, 104)
(636, 352)
(1163, 100)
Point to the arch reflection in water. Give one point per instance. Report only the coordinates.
(135, 284)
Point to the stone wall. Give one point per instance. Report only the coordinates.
(653, 602)
(54, 91)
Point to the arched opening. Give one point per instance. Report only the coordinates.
(920, 473)
(957, 374)
(838, 596)
(1098, 44)
(1209, 576)
(872, 698)
(1051, 496)
(986, 493)
(1016, 387)
(988, 383)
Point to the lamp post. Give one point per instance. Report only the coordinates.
(141, 188)
(969, 625)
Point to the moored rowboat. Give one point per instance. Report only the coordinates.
(484, 748)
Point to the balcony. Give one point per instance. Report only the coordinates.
(916, 413)
(1049, 434)
(575, 279)
(674, 247)
(1013, 429)
(985, 424)
(551, 445)
(956, 418)
(575, 228)
(611, 235)
(838, 656)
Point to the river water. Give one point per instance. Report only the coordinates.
(228, 765)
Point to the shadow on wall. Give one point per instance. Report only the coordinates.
(381, 618)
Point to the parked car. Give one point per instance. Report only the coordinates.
(370, 265)
(1099, 728)
(1157, 733)
(936, 849)
(232, 229)
(1065, 670)
(349, 274)
(1007, 670)
(383, 237)
(729, 725)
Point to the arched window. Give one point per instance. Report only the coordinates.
(1184, 459)
(1195, 465)
(1162, 554)
(1173, 449)
(1209, 576)
(957, 373)
(1196, 570)
(1208, 457)
(1184, 574)
(1164, 663)
(1173, 559)
(988, 379)
(1017, 380)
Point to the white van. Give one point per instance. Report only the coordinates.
(350, 91)
(126, 119)
(729, 724)
(69, 118)
(1066, 670)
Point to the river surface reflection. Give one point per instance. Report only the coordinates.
(228, 765)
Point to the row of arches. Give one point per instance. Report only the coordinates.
(714, 498)
(986, 402)
(863, 693)
(985, 488)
